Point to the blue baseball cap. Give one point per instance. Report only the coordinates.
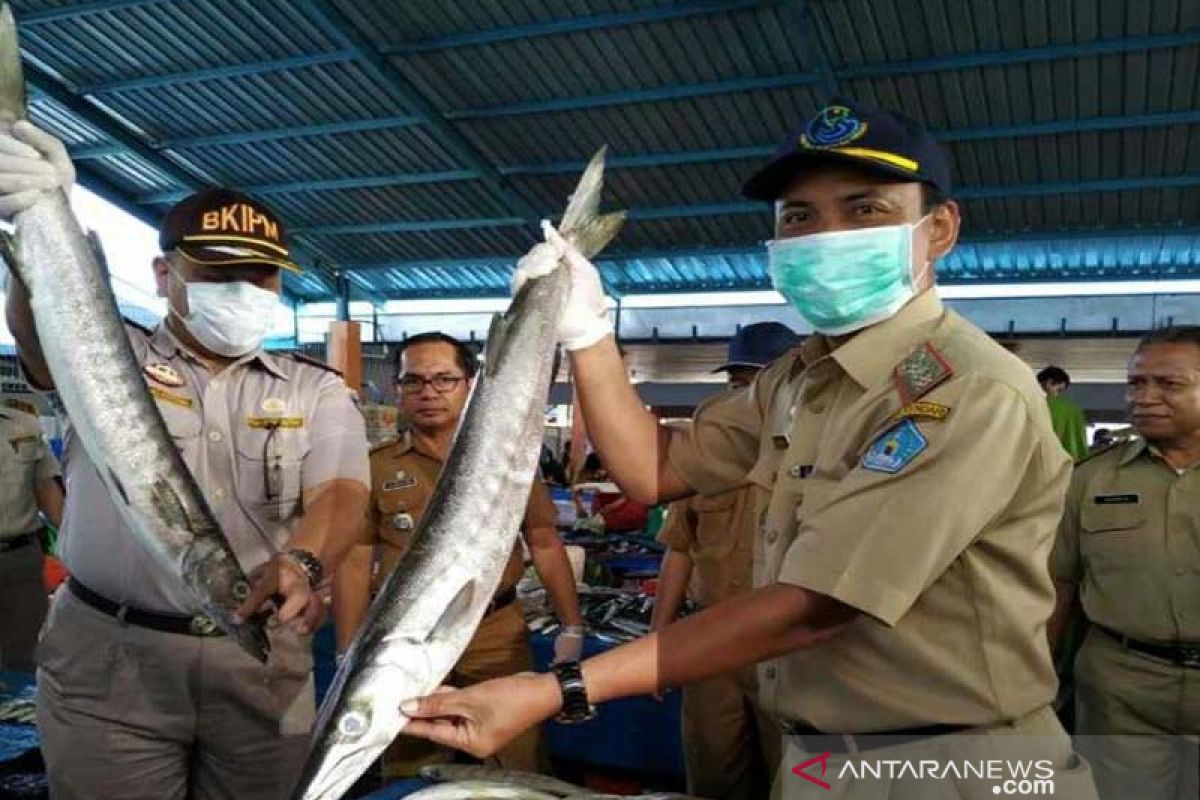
(759, 344)
(847, 132)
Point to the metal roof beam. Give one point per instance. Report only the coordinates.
(295, 131)
(218, 73)
(757, 251)
(994, 58)
(754, 207)
(340, 27)
(680, 91)
(573, 25)
(882, 69)
(74, 10)
(672, 158)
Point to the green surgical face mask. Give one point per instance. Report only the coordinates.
(843, 281)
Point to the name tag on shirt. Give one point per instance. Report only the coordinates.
(275, 422)
(1116, 499)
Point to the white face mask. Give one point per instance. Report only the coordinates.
(230, 319)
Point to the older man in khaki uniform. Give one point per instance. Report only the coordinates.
(433, 379)
(28, 484)
(137, 697)
(1129, 549)
(911, 490)
(730, 748)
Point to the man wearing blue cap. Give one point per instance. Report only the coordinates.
(730, 748)
(912, 487)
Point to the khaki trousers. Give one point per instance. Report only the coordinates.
(500, 647)
(129, 713)
(731, 749)
(23, 606)
(1036, 739)
(1138, 720)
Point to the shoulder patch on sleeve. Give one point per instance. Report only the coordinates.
(895, 449)
(920, 371)
(303, 359)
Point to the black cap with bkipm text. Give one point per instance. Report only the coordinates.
(223, 227)
(881, 142)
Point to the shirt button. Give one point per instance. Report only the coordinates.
(796, 471)
(214, 436)
(218, 494)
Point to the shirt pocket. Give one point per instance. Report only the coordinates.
(270, 463)
(715, 536)
(1112, 538)
(183, 425)
(399, 512)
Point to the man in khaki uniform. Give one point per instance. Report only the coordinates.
(1129, 549)
(28, 484)
(730, 748)
(912, 487)
(138, 696)
(434, 372)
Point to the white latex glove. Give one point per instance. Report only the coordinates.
(568, 645)
(31, 162)
(585, 319)
(592, 524)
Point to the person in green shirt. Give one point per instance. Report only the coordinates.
(1065, 415)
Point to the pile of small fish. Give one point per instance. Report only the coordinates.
(614, 616)
(468, 782)
(21, 710)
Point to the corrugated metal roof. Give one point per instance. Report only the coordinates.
(415, 145)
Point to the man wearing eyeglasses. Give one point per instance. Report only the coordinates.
(434, 374)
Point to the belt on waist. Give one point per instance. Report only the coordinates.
(17, 542)
(1181, 654)
(502, 599)
(816, 741)
(195, 625)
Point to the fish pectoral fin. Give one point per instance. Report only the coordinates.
(459, 605)
(167, 501)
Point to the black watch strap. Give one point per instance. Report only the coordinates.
(575, 705)
(308, 562)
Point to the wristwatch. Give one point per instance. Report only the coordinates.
(575, 705)
(308, 562)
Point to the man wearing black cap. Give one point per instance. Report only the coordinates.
(912, 487)
(137, 696)
(730, 748)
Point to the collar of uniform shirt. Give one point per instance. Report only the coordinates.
(166, 344)
(872, 354)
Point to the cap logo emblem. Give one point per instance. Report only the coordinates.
(834, 126)
(238, 218)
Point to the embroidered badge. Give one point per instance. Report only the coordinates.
(1116, 499)
(834, 126)
(896, 449)
(273, 405)
(402, 522)
(164, 374)
(921, 410)
(173, 399)
(920, 372)
(275, 422)
(403, 480)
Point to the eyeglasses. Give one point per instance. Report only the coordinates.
(442, 383)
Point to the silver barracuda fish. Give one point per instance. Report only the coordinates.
(480, 790)
(478, 772)
(101, 389)
(429, 608)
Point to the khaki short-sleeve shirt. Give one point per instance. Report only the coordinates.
(403, 475)
(913, 474)
(25, 461)
(256, 436)
(717, 534)
(1130, 538)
